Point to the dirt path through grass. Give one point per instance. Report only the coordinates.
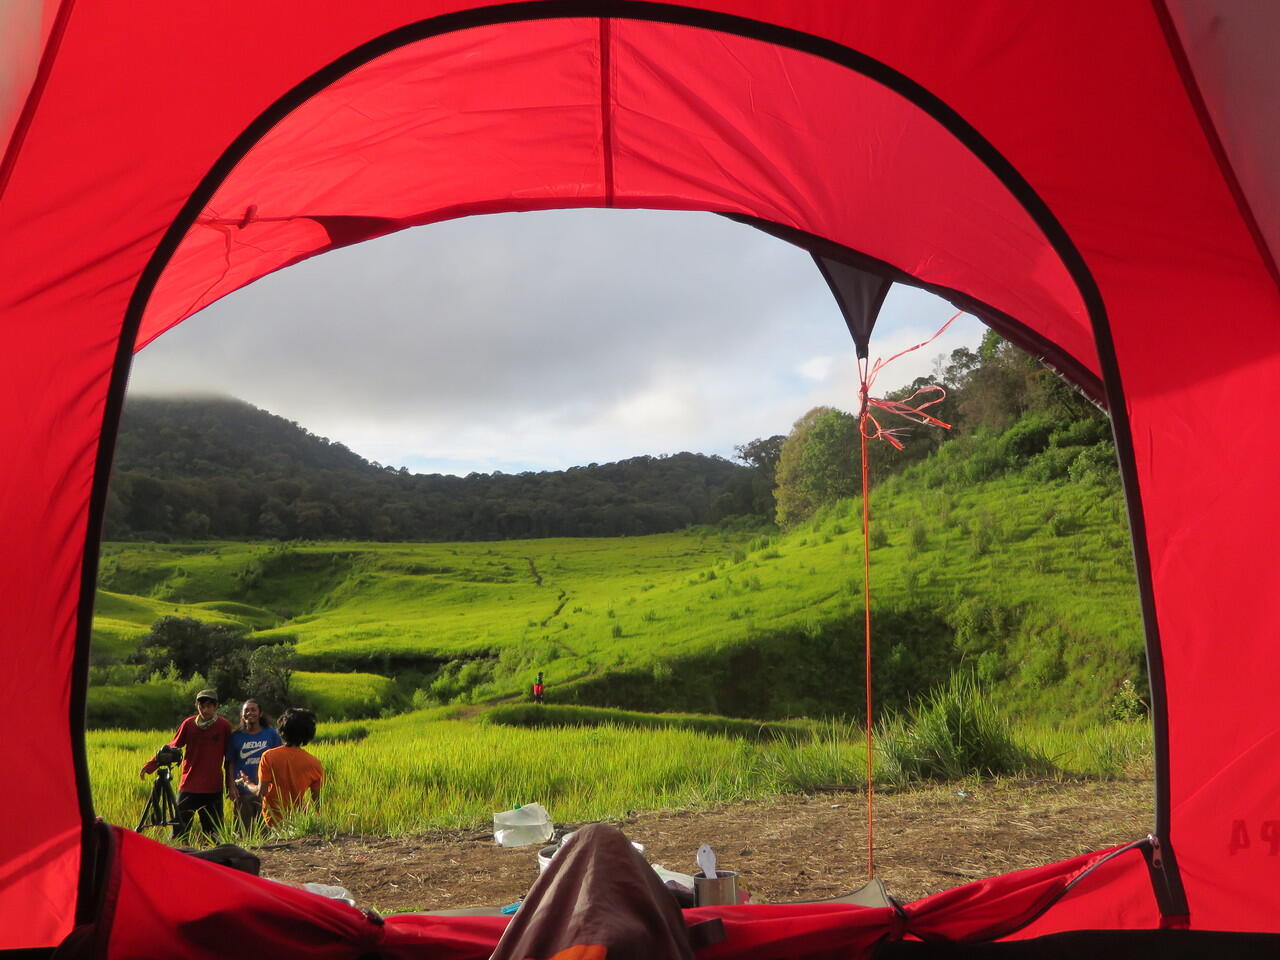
(785, 849)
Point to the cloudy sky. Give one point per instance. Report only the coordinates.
(539, 341)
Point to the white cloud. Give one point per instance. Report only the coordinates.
(817, 368)
(540, 341)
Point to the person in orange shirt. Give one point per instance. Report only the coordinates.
(286, 774)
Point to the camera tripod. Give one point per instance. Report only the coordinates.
(161, 809)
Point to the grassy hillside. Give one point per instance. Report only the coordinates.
(1005, 557)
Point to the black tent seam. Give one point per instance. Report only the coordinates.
(606, 108)
(644, 10)
(53, 42)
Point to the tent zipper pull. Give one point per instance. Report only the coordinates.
(1167, 886)
(1157, 858)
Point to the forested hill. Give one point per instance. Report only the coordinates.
(195, 468)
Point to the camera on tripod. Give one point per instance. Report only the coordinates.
(168, 755)
(161, 809)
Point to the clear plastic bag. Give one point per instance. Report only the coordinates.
(522, 826)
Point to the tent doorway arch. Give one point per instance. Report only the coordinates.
(216, 243)
(1142, 131)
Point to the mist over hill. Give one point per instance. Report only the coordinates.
(198, 467)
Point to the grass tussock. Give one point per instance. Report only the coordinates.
(957, 732)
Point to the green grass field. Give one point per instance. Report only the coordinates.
(429, 769)
(1025, 583)
(687, 668)
(1028, 585)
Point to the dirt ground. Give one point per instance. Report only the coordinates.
(785, 849)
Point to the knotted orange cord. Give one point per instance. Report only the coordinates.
(916, 414)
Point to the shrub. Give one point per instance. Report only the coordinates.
(910, 578)
(1082, 433)
(985, 461)
(991, 669)
(1096, 464)
(458, 679)
(1060, 524)
(917, 535)
(1025, 439)
(270, 677)
(942, 504)
(1125, 704)
(218, 651)
(983, 532)
(116, 674)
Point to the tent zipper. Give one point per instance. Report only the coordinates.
(1166, 884)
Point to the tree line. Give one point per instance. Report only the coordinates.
(219, 468)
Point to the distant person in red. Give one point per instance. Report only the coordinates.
(287, 774)
(538, 689)
(206, 774)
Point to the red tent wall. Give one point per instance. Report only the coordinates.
(735, 131)
(1089, 118)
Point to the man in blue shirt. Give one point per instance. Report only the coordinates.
(248, 743)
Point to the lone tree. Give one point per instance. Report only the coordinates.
(816, 464)
(762, 456)
(194, 647)
(271, 675)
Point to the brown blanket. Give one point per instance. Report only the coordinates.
(598, 898)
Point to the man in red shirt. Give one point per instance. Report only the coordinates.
(206, 773)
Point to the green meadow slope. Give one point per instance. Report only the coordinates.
(1003, 556)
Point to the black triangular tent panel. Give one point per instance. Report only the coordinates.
(859, 294)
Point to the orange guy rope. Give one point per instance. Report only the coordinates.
(866, 607)
(916, 414)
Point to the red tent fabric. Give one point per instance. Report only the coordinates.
(1101, 180)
